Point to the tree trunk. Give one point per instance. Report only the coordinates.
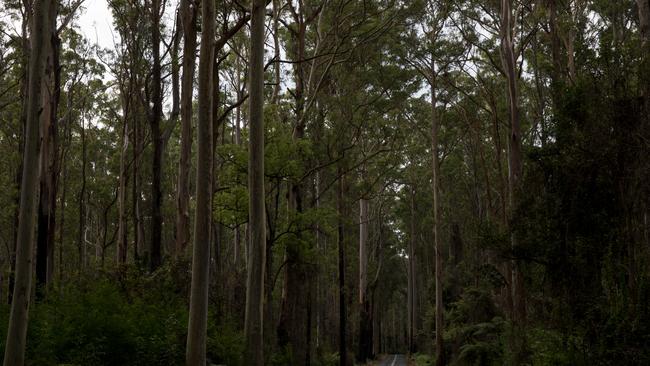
(276, 51)
(556, 56)
(237, 232)
(514, 177)
(644, 20)
(49, 158)
(138, 237)
(514, 147)
(198, 314)
(81, 243)
(644, 25)
(188, 19)
(64, 184)
(365, 316)
(294, 329)
(412, 283)
(17, 332)
(122, 236)
(25, 42)
(435, 164)
(155, 254)
(343, 346)
(254, 320)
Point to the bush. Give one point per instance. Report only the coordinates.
(423, 360)
(127, 322)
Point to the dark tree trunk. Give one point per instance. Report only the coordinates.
(155, 254)
(49, 162)
(188, 20)
(343, 321)
(254, 319)
(295, 328)
(81, 243)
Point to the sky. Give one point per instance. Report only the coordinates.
(96, 23)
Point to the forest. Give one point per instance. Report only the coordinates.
(325, 182)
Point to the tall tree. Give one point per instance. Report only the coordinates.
(435, 182)
(295, 326)
(515, 170)
(188, 15)
(343, 343)
(365, 317)
(17, 332)
(644, 25)
(198, 318)
(514, 143)
(644, 20)
(254, 317)
(49, 158)
(412, 283)
(155, 118)
(122, 235)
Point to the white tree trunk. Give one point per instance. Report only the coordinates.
(198, 317)
(17, 332)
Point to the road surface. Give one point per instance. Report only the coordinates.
(394, 360)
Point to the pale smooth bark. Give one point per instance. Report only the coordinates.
(514, 148)
(122, 230)
(363, 249)
(198, 315)
(365, 311)
(81, 240)
(254, 320)
(412, 313)
(435, 164)
(17, 332)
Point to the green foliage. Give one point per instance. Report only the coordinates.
(101, 326)
(225, 344)
(140, 322)
(475, 330)
(548, 347)
(423, 360)
(578, 231)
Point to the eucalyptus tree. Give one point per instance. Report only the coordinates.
(198, 314)
(188, 16)
(15, 70)
(515, 163)
(644, 30)
(434, 59)
(500, 23)
(254, 321)
(130, 70)
(17, 332)
(155, 116)
(49, 157)
(296, 306)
